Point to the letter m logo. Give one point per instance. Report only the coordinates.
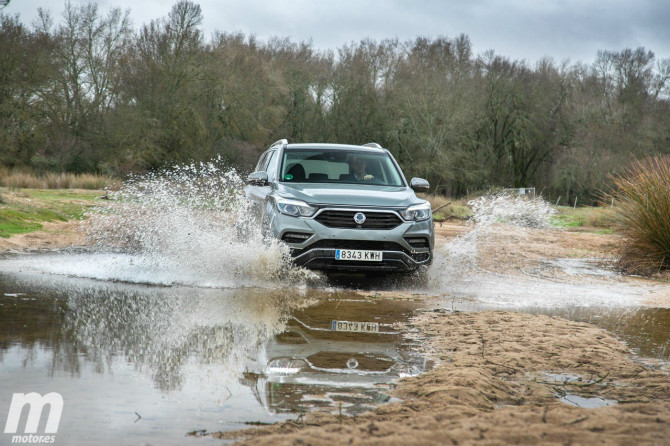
(36, 403)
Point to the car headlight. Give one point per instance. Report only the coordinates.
(295, 208)
(417, 212)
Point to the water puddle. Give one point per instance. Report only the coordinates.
(645, 330)
(562, 380)
(181, 318)
(586, 403)
(309, 366)
(138, 364)
(581, 267)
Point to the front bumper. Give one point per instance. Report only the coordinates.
(318, 251)
(324, 259)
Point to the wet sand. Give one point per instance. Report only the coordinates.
(54, 235)
(504, 377)
(500, 376)
(499, 379)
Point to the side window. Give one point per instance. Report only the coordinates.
(271, 169)
(261, 162)
(264, 166)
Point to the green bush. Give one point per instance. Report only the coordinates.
(642, 196)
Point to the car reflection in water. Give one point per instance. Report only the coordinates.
(311, 367)
(192, 359)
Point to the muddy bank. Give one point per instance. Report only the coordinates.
(499, 379)
(512, 249)
(45, 208)
(53, 235)
(500, 376)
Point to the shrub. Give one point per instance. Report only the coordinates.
(20, 179)
(447, 207)
(642, 195)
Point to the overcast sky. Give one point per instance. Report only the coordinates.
(519, 29)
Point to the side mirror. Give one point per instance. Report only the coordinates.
(419, 185)
(258, 178)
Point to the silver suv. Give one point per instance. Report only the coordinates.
(342, 207)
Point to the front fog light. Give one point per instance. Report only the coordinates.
(417, 212)
(295, 208)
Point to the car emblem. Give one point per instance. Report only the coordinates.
(359, 218)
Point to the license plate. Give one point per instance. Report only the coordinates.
(358, 254)
(356, 327)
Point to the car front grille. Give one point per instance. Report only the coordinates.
(345, 219)
(321, 255)
(358, 244)
(389, 263)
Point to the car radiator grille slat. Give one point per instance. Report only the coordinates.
(358, 244)
(345, 219)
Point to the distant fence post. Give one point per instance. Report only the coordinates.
(522, 190)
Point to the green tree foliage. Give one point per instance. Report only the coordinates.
(94, 95)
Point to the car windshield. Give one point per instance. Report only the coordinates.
(339, 166)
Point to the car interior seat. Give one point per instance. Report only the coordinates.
(318, 176)
(297, 172)
(374, 169)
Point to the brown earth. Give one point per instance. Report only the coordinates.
(496, 382)
(54, 235)
(511, 249)
(500, 375)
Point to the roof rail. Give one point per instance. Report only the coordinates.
(282, 142)
(373, 144)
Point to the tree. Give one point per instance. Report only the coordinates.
(434, 100)
(361, 80)
(25, 67)
(160, 89)
(86, 55)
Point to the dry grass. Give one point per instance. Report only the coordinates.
(642, 194)
(588, 217)
(446, 207)
(19, 179)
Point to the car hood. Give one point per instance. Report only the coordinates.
(350, 194)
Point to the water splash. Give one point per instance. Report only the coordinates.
(175, 335)
(187, 225)
(502, 228)
(515, 210)
(458, 258)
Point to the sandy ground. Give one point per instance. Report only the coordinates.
(515, 251)
(511, 249)
(54, 235)
(499, 379)
(499, 375)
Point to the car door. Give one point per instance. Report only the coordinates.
(258, 193)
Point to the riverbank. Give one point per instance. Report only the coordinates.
(500, 376)
(39, 219)
(511, 378)
(504, 377)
